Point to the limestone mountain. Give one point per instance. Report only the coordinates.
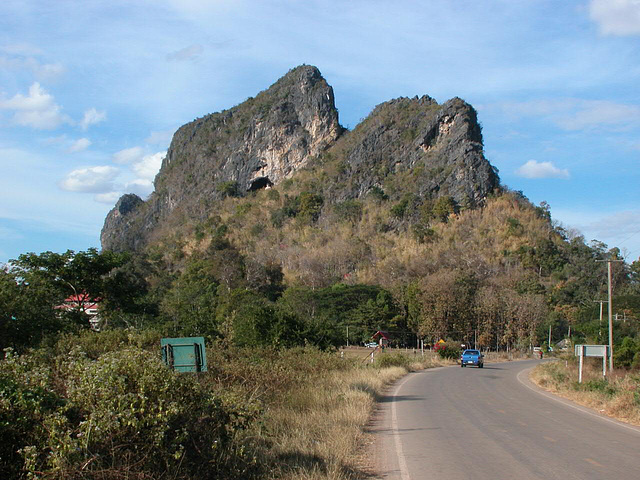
(416, 146)
(405, 146)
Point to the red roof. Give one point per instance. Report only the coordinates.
(82, 301)
(382, 334)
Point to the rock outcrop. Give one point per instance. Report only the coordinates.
(122, 220)
(404, 145)
(428, 149)
(256, 144)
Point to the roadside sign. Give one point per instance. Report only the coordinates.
(582, 351)
(592, 350)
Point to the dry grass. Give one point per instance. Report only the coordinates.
(318, 430)
(618, 396)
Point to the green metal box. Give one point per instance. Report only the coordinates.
(185, 354)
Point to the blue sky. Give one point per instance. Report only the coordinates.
(91, 92)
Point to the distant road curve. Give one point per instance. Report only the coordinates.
(493, 423)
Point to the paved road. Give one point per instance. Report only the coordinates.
(492, 423)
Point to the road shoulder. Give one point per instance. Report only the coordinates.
(523, 378)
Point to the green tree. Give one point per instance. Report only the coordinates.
(34, 286)
(443, 207)
(310, 206)
(190, 305)
(26, 311)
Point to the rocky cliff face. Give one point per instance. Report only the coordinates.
(405, 145)
(121, 227)
(259, 143)
(415, 145)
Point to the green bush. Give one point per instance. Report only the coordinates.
(448, 351)
(26, 400)
(228, 189)
(623, 356)
(124, 415)
(392, 360)
(398, 210)
(601, 385)
(349, 210)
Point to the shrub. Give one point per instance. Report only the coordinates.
(392, 360)
(310, 205)
(399, 209)
(349, 210)
(123, 415)
(26, 399)
(422, 233)
(601, 385)
(443, 207)
(447, 350)
(228, 189)
(378, 194)
(272, 194)
(624, 355)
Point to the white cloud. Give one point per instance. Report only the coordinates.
(162, 138)
(110, 198)
(22, 56)
(42, 71)
(79, 145)
(623, 224)
(192, 52)
(575, 114)
(60, 139)
(148, 167)
(10, 234)
(616, 17)
(599, 113)
(91, 117)
(616, 228)
(37, 110)
(90, 180)
(533, 169)
(128, 155)
(20, 49)
(140, 187)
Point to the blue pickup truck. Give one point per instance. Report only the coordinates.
(471, 357)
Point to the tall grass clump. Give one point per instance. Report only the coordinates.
(617, 395)
(315, 406)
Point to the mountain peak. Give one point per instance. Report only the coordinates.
(404, 146)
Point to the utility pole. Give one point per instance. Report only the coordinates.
(610, 310)
(600, 324)
(550, 347)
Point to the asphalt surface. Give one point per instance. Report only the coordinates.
(493, 423)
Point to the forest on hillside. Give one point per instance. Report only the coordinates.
(281, 268)
(275, 281)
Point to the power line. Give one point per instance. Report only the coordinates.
(630, 236)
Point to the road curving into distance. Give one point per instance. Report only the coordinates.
(493, 423)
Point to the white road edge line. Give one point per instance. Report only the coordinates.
(402, 463)
(569, 403)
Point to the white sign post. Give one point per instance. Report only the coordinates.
(582, 351)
